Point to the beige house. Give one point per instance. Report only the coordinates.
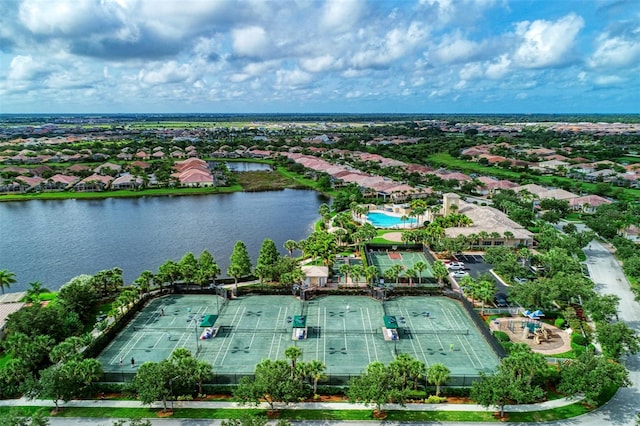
(315, 276)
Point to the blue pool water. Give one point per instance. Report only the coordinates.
(382, 220)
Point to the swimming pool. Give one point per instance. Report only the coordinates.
(383, 220)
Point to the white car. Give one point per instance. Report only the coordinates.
(458, 274)
(455, 266)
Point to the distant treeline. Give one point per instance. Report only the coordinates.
(335, 117)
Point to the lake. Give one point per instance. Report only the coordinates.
(54, 241)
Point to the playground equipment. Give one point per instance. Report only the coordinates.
(533, 315)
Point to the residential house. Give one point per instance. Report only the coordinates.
(93, 183)
(127, 181)
(588, 203)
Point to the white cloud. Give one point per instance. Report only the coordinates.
(25, 68)
(341, 15)
(250, 41)
(616, 52)
(456, 49)
(500, 68)
(608, 80)
(320, 63)
(292, 79)
(167, 73)
(546, 43)
(396, 44)
(471, 71)
(66, 17)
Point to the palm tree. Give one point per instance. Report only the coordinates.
(293, 353)
(394, 272)
(290, 246)
(315, 369)
(370, 272)
(438, 374)
(6, 279)
(524, 254)
(33, 292)
(357, 271)
(420, 267)
(411, 273)
(440, 271)
(345, 269)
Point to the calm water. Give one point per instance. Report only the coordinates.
(243, 166)
(54, 241)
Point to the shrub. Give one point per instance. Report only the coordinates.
(455, 391)
(501, 336)
(559, 322)
(435, 399)
(507, 346)
(578, 339)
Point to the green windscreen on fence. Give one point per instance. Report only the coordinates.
(299, 321)
(208, 321)
(390, 322)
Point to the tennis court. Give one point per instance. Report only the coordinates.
(384, 260)
(346, 333)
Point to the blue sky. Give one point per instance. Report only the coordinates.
(414, 56)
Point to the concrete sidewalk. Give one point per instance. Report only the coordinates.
(299, 406)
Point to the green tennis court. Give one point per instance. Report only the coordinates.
(346, 333)
(384, 260)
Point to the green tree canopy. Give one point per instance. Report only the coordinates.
(240, 262)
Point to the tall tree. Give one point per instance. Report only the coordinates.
(591, 375)
(377, 386)
(6, 279)
(239, 262)
(293, 353)
(438, 374)
(316, 369)
(272, 383)
(439, 271)
(290, 246)
(267, 259)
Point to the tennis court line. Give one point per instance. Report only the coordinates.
(319, 321)
(344, 329)
(222, 346)
(375, 349)
(276, 325)
(413, 345)
(366, 338)
(424, 355)
(449, 315)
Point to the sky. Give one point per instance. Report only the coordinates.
(312, 56)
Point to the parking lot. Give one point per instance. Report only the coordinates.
(475, 266)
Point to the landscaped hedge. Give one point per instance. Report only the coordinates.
(578, 339)
(501, 336)
(559, 322)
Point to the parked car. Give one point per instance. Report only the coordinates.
(455, 266)
(519, 280)
(501, 300)
(458, 274)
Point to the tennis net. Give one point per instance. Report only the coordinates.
(458, 332)
(319, 331)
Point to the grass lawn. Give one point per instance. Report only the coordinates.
(301, 415)
(120, 194)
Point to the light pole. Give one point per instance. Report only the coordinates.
(217, 306)
(195, 325)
